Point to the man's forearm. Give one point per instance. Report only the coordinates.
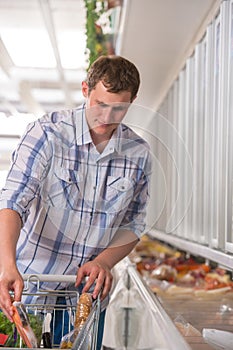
(10, 225)
(10, 279)
(120, 247)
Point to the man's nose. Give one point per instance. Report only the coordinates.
(107, 115)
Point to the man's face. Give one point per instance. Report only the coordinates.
(105, 110)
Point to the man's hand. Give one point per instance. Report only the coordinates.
(99, 269)
(99, 274)
(10, 280)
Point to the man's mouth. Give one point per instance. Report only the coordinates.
(104, 125)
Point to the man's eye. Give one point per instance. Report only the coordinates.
(119, 108)
(102, 105)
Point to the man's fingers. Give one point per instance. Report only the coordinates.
(8, 311)
(95, 277)
(6, 304)
(103, 286)
(79, 278)
(18, 288)
(99, 276)
(82, 275)
(106, 287)
(99, 284)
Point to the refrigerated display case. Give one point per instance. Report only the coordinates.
(142, 316)
(201, 320)
(135, 318)
(200, 309)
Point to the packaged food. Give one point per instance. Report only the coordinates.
(46, 331)
(164, 272)
(83, 310)
(22, 324)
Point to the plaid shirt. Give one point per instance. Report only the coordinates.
(71, 198)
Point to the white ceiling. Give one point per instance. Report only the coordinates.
(39, 39)
(157, 35)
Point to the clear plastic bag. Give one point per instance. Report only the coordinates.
(22, 324)
(185, 328)
(219, 340)
(83, 310)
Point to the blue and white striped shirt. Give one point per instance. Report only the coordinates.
(71, 198)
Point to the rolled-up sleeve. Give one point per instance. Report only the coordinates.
(28, 169)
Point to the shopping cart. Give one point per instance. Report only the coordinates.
(44, 306)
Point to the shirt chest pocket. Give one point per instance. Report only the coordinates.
(119, 192)
(64, 189)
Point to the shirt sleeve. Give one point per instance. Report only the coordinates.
(29, 166)
(135, 217)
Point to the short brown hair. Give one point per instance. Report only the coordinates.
(116, 73)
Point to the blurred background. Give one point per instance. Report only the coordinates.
(184, 52)
(44, 52)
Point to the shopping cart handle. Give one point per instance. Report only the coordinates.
(49, 278)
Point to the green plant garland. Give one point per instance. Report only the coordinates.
(96, 40)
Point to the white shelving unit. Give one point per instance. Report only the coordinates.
(199, 105)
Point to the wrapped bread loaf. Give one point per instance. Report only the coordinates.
(83, 310)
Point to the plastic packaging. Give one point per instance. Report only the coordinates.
(22, 324)
(164, 272)
(46, 335)
(185, 328)
(218, 339)
(83, 310)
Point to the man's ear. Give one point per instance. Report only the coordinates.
(134, 98)
(84, 88)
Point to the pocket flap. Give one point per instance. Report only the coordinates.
(68, 175)
(121, 184)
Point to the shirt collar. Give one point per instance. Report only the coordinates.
(115, 141)
(83, 135)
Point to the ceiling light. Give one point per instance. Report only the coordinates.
(72, 45)
(28, 48)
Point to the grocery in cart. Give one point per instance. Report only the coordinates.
(36, 318)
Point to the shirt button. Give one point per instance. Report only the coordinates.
(94, 187)
(24, 200)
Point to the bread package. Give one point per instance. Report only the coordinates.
(83, 310)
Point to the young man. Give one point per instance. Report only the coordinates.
(75, 196)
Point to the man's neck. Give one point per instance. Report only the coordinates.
(100, 141)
